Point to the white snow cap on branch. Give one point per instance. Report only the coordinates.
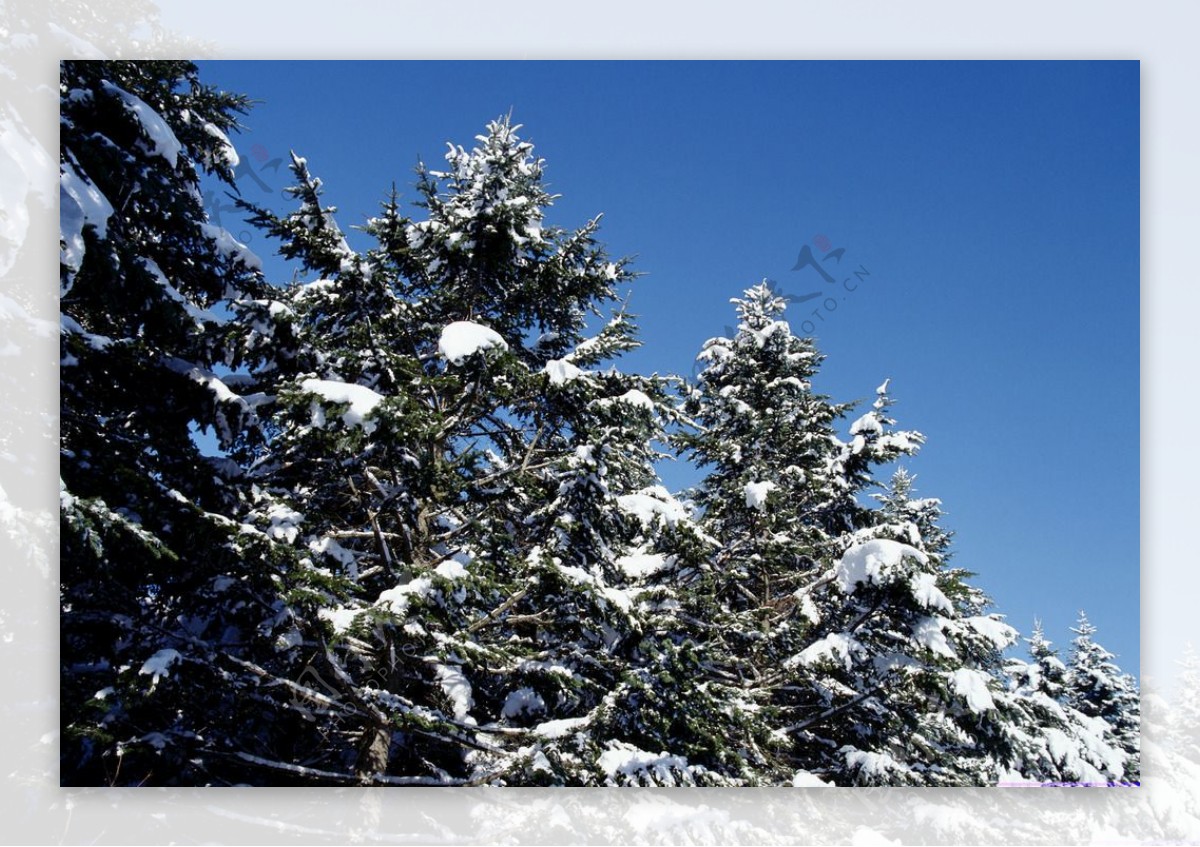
(362, 401)
(620, 758)
(971, 685)
(652, 502)
(561, 371)
(756, 494)
(159, 665)
(463, 339)
(225, 147)
(156, 129)
(874, 561)
(80, 203)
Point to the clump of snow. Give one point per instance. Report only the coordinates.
(869, 764)
(925, 590)
(330, 547)
(835, 646)
(756, 494)
(159, 665)
(900, 442)
(639, 565)
(285, 522)
(70, 326)
(627, 760)
(362, 401)
(81, 204)
(620, 598)
(561, 371)
(396, 599)
(636, 398)
(877, 561)
(463, 339)
(165, 143)
(451, 569)
(341, 617)
(230, 247)
(457, 689)
(867, 423)
(1059, 745)
(224, 147)
(575, 574)
(804, 779)
(1093, 734)
(971, 685)
(559, 728)
(522, 701)
(653, 502)
(996, 631)
(761, 336)
(927, 632)
(318, 287)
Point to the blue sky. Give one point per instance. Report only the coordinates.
(995, 206)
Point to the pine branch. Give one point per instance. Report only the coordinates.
(323, 776)
(498, 611)
(828, 713)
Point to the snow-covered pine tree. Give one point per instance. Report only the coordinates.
(444, 447)
(167, 604)
(915, 633)
(869, 658)
(1097, 689)
(1051, 741)
(777, 499)
(772, 503)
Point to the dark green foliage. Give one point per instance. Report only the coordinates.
(151, 559)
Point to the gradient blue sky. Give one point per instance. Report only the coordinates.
(995, 205)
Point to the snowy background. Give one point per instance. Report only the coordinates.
(28, 617)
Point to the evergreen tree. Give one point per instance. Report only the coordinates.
(1052, 742)
(168, 606)
(450, 456)
(1097, 689)
(870, 660)
(433, 547)
(931, 650)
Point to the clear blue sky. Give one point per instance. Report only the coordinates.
(995, 206)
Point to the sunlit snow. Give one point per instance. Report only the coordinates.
(876, 561)
(971, 685)
(156, 129)
(159, 665)
(463, 339)
(561, 371)
(756, 494)
(362, 401)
